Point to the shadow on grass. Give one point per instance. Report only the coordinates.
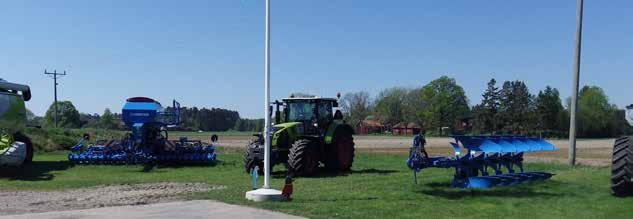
(444, 190)
(148, 167)
(35, 171)
(323, 173)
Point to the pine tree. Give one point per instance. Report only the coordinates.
(515, 108)
(548, 109)
(490, 104)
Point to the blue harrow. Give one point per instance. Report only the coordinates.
(482, 154)
(148, 141)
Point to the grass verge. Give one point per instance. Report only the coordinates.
(380, 186)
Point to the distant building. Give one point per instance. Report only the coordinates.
(369, 126)
(463, 125)
(404, 128)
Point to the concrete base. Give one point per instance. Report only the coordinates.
(261, 195)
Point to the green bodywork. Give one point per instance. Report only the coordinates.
(336, 124)
(5, 142)
(293, 132)
(290, 128)
(12, 118)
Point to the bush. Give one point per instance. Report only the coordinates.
(62, 139)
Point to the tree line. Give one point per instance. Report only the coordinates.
(192, 119)
(439, 107)
(506, 109)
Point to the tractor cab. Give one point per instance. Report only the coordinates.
(314, 113)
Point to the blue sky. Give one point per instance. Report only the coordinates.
(210, 53)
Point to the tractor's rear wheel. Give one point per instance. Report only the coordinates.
(253, 158)
(340, 154)
(29, 146)
(303, 159)
(622, 167)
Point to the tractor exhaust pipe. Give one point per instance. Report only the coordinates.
(14, 88)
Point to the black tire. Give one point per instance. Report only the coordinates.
(251, 159)
(340, 154)
(29, 146)
(303, 159)
(622, 167)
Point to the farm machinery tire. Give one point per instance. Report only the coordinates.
(622, 167)
(254, 157)
(340, 154)
(303, 159)
(29, 146)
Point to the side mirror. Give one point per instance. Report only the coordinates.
(214, 138)
(338, 115)
(26, 95)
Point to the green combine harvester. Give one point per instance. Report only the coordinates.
(307, 133)
(622, 162)
(15, 148)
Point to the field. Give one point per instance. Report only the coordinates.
(379, 186)
(591, 152)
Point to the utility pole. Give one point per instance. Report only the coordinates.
(55, 76)
(574, 96)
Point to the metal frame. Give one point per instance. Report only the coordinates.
(501, 154)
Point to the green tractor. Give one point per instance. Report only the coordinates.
(15, 148)
(307, 133)
(622, 162)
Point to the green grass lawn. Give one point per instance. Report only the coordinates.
(380, 186)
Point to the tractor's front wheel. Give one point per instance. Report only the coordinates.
(340, 154)
(254, 157)
(303, 159)
(622, 167)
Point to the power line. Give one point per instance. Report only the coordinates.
(55, 76)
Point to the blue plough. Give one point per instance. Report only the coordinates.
(483, 153)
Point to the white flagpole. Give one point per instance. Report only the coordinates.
(266, 193)
(267, 100)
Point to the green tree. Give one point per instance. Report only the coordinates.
(356, 106)
(107, 120)
(597, 118)
(548, 108)
(445, 102)
(68, 116)
(390, 105)
(414, 106)
(32, 119)
(485, 113)
(515, 108)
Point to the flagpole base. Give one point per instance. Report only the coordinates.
(261, 195)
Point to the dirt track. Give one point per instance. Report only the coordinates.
(594, 152)
(21, 202)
